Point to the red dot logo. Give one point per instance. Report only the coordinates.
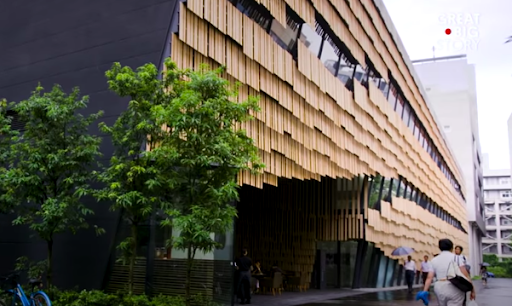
(448, 31)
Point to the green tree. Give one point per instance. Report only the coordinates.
(140, 173)
(210, 152)
(50, 165)
(7, 135)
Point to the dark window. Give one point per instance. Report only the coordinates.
(406, 114)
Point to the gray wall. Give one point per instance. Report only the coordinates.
(73, 43)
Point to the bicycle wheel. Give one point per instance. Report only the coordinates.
(41, 299)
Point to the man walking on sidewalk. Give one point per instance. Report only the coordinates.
(410, 272)
(425, 268)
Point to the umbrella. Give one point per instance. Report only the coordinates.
(485, 264)
(402, 251)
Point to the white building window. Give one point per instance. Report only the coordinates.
(504, 181)
(506, 194)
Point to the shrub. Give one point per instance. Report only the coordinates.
(100, 298)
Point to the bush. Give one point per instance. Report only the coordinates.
(498, 271)
(100, 298)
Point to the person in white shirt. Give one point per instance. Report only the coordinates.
(447, 294)
(410, 272)
(461, 259)
(425, 268)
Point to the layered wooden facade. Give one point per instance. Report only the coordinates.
(312, 128)
(281, 225)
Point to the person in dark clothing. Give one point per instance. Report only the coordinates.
(243, 265)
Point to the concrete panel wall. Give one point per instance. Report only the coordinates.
(73, 43)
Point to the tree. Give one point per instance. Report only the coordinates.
(210, 152)
(6, 138)
(51, 165)
(140, 173)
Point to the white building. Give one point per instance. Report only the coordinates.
(498, 211)
(451, 89)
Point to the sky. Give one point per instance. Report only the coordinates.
(479, 29)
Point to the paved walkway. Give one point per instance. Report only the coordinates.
(312, 296)
(497, 293)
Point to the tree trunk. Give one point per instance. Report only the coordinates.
(133, 256)
(49, 271)
(190, 261)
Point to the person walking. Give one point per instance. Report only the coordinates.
(425, 268)
(483, 273)
(410, 272)
(244, 265)
(461, 259)
(447, 293)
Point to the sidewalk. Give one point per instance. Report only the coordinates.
(497, 293)
(313, 296)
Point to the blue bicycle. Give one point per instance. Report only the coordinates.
(12, 287)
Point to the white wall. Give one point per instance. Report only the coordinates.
(450, 86)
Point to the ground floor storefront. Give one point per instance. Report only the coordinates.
(312, 233)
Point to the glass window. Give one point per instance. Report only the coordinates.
(360, 73)
(406, 115)
(401, 188)
(422, 200)
(399, 107)
(408, 191)
(394, 187)
(386, 190)
(412, 120)
(384, 87)
(414, 194)
(348, 256)
(310, 38)
(329, 57)
(374, 191)
(285, 37)
(392, 96)
(346, 70)
(417, 130)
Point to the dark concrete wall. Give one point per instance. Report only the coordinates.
(73, 43)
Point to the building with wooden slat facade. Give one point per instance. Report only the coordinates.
(356, 164)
